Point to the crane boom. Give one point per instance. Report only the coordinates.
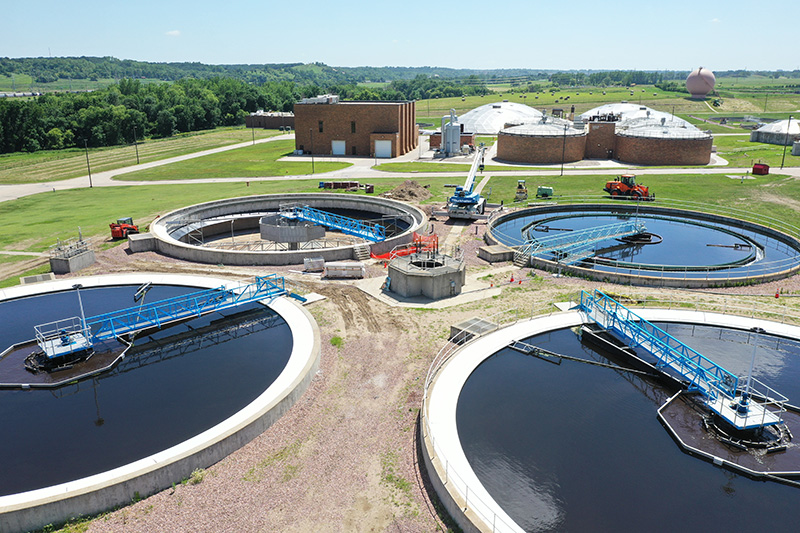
(465, 203)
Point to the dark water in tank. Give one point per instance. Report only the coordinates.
(578, 448)
(686, 243)
(162, 394)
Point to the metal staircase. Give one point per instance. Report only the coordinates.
(719, 387)
(361, 251)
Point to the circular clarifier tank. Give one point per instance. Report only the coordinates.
(228, 232)
(682, 248)
(181, 398)
(528, 445)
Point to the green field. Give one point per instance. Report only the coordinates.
(25, 83)
(248, 162)
(23, 167)
(740, 152)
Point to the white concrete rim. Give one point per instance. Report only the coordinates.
(444, 391)
(301, 360)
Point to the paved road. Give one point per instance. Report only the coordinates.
(361, 169)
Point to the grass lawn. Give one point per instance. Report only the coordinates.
(56, 165)
(248, 162)
(413, 166)
(740, 152)
(766, 196)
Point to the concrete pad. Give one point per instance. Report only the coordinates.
(312, 297)
(470, 292)
(565, 306)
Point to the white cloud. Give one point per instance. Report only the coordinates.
(715, 21)
(173, 33)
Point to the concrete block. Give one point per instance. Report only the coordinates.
(142, 242)
(72, 264)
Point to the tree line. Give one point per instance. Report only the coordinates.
(131, 109)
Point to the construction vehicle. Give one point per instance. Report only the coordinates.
(465, 202)
(522, 191)
(122, 228)
(625, 186)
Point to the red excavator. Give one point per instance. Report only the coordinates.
(122, 227)
(625, 187)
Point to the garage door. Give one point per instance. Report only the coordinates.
(337, 147)
(383, 148)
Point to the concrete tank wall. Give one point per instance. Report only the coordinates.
(172, 247)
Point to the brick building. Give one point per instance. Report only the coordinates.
(325, 126)
(272, 120)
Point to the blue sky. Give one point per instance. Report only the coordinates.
(582, 34)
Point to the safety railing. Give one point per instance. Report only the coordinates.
(110, 325)
(349, 226)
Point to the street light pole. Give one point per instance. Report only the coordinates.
(311, 132)
(86, 147)
(564, 149)
(786, 140)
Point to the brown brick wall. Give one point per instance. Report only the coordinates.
(393, 118)
(268, 121)
(600, 140)
(540, 149)
(466, 138)
(651, 151)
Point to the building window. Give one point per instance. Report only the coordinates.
(320, 126)
(353, 149)
(352, 126)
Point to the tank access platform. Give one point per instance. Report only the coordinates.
(744, 408)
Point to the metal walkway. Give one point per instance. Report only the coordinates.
(349, 226)
(73, 335)
(575, 246)
(719, 386)
(157, 314)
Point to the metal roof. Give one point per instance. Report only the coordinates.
(489, 119)
(548, 127)
(781, 126)
(628, 111)
(653, 128)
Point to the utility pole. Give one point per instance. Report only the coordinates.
(563, 149)
(786, 140)
(135, 145)
(86, 147)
